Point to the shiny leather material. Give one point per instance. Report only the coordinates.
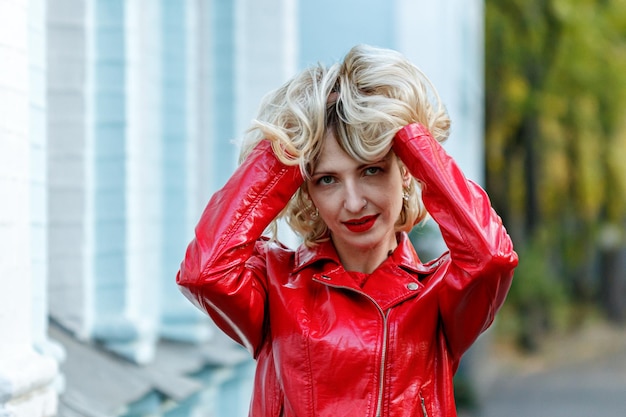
(323, 345)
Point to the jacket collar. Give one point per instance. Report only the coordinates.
(396, 280)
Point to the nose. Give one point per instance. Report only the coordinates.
(354, 200)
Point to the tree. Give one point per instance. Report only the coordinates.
(556, 136)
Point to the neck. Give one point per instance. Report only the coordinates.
(364, 260)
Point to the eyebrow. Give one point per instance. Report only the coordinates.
(362, 166)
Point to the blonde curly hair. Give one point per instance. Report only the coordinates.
(363, 100)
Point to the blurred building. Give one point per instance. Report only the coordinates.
(116, 125)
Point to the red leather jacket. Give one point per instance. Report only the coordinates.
(323, 345)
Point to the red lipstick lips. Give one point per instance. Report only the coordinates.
(361, 225)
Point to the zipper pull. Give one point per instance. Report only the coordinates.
(424, 412)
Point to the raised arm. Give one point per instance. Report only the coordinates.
(481, 252)
(214, 274)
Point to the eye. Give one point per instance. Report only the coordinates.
(325, 180)
(372, 170)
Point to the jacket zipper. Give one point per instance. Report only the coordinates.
(383, 360)
(385, 315)
(423, 402)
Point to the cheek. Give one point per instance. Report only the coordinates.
(396, 203)
(392, 200)
(323, 202)
(326, 208)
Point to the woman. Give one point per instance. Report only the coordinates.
(351, 323)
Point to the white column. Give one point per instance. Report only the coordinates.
(143, 166)
(39, 172)
(26, 377)
(70, 156)
(127, 180)
(15, 172)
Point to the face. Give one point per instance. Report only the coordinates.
(360, 203)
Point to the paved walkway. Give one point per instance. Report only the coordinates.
(585, 390)
(586, 379)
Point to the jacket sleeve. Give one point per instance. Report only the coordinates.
(481, 252)
(216, 274)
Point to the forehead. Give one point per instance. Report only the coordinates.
(330, 146)
(332, 157)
